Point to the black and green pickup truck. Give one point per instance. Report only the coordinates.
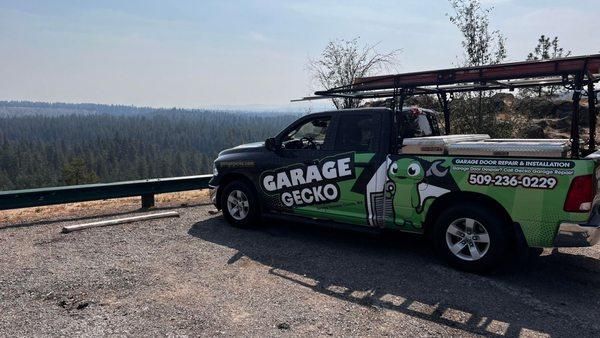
(477, 198)
(347, 167)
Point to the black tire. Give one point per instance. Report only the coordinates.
(248, 219)
(482, 221)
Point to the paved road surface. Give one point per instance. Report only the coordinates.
(195, 275)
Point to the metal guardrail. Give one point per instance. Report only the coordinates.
(90, 192)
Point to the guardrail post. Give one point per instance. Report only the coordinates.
(147, 201)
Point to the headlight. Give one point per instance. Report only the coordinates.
(215, 171)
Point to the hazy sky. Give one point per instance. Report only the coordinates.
(203, 53)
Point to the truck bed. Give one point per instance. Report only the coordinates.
(483, 145)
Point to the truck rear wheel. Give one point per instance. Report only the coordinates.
(240, 205)
(471, 238)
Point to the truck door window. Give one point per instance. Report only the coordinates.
(309, 135)
(357, 133)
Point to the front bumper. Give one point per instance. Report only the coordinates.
(577, 235)
(214, 190)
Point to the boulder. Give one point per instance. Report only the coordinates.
(533, 131)
(542, 123)
(535, 107)
(562, 109)
(563, 124)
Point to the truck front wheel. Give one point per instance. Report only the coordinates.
(471, 238)
(240, 205)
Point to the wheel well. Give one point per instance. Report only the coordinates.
(230, 178)
(464, 197)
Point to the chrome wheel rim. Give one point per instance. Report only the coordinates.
(467, 239)
(238, 205)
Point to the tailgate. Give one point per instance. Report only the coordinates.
(577, 234)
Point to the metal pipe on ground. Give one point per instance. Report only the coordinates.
(71, 228)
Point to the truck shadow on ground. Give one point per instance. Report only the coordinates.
(552, 294)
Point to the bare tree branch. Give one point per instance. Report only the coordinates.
(342, 61)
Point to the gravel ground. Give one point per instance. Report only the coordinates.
(196, 276)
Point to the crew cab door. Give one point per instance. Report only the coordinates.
(287, 184)
(324, 165)
(359, 133)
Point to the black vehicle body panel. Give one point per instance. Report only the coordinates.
(250, 160)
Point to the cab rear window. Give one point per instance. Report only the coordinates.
(416, 122)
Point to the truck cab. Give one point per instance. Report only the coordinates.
(376, 169)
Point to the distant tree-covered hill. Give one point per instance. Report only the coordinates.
(39, 149)
(20, 108)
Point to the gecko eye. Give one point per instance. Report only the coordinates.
(413, 170)
(394, 168)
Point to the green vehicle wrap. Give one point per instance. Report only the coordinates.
(397, 192)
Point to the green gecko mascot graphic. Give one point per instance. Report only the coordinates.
(411, 182)
(406, 173)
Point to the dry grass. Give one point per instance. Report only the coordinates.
(94, 208)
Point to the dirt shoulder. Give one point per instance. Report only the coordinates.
(196, 276)
(83, 210)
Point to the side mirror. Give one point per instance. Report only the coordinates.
(271, 144)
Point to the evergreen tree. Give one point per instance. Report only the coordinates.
(76, 172)
(41, 148)
(545, 49)
(476, 112)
